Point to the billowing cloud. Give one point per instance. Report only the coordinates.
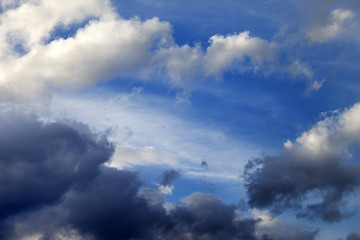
(104, 48)
(55, 185)
(40, 162)
(224, 51)
(34, 57)
(314, 174)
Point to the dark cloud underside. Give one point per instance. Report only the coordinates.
(285, 182)
(54, 185)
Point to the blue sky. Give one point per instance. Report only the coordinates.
(265, 92)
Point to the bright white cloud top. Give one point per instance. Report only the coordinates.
(34, 59)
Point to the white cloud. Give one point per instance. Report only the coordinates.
(165, 189)
(34, 60)
(128, 156)
(335, 26)
(101, 50)
(223, 51)
(333, 135)
(32, 22)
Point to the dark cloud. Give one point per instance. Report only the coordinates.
(113, 209)
(54, 185)
(203, 216)
(168, 176)
(281, 231)
(39, 161)
(353, 236)
(289, 179)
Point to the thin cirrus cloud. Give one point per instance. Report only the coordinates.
(154, 135)
(33, 60)
(318, 165)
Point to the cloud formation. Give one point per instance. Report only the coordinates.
(35, 59)
(54, 185)
(318, 165)
(167, 178)
(326, 20)
(270, 228)
(40, 162)
(334, 27)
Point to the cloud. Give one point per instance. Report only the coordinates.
(326, 20)
(336, 25)
(353, 236)
(224, 51)
(34, 60)
(112, 209)
(270, 228)
(127, 156)
(299, 69)
(40, 161)
(167, 177)
(159, 136)
(104, 48)
(55, 185)
(312, 175)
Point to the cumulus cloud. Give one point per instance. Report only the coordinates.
(104, 48)
(40, 162)
(312, 175)
(55, 185)
(223, 51)
(34, 59)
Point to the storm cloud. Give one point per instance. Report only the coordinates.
(54, 185)
(39, 161)
(313, 175)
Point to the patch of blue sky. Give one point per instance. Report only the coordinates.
(65, 31)
(231, 192)
(195, 21)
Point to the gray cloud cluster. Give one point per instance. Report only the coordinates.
(168, 176)
(313, 175)
(55, 186)
(284, 181)
(40, 162)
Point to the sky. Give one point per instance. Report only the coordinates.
(198, 120)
